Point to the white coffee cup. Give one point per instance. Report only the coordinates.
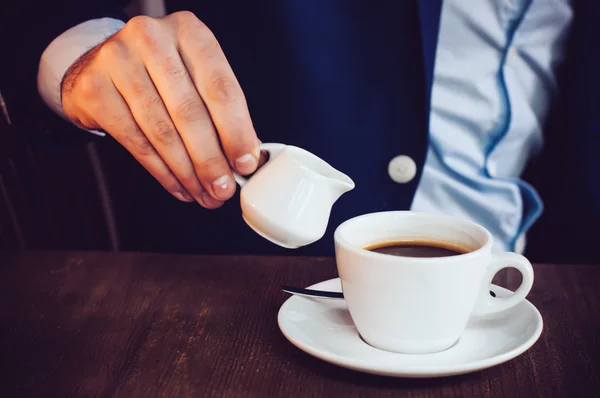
(289, 199)
(420, 305)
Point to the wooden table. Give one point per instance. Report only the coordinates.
(145, 325)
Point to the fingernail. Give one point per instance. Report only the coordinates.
(210, 201)
(246, 164)
(221, 186)
(183, 196)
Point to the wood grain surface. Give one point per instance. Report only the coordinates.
(142, 325)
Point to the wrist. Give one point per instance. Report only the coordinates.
(64, 51)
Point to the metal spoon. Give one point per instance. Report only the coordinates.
(323, 293)
(312, 293)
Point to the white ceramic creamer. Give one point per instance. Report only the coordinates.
(289, 199)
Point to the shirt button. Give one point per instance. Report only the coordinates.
(402, 169)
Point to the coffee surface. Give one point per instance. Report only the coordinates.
(417, 248)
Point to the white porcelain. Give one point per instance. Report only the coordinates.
(324, 328)
(289, 199)
(420, 305)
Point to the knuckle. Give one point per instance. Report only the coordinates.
(152, 103)
(211, 166)
(144, 147)
(204, 39)
(144, 28)
(186, 18)
(141, 24)
(152, 107)
(140, 145)
(174, 70)
(207, 42)
(138, 89)
(113, 49)
(190, 182)
(222, 89)
(190, 110)
(165, 133)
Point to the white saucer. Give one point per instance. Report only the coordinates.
(324, 328)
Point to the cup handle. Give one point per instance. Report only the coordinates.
(272, 149)
(486, 304)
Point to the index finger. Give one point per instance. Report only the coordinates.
(215, 81)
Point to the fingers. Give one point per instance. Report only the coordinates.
(150, 113)
(220, 90)
(164, 89)
(113, 115)
(190, 118)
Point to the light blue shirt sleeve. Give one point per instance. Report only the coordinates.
(494, 79)
(64, 51)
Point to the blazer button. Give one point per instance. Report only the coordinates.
(402, 169)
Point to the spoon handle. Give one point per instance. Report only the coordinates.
(322, 293)
(312, 293)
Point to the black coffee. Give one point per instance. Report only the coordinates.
(417, 248)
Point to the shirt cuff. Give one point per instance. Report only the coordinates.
(64, 51)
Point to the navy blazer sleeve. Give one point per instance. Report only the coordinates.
(26, 28)
(567, 175)
(583, 103)
(579, 135)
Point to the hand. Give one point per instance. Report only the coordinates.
(165, 91)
